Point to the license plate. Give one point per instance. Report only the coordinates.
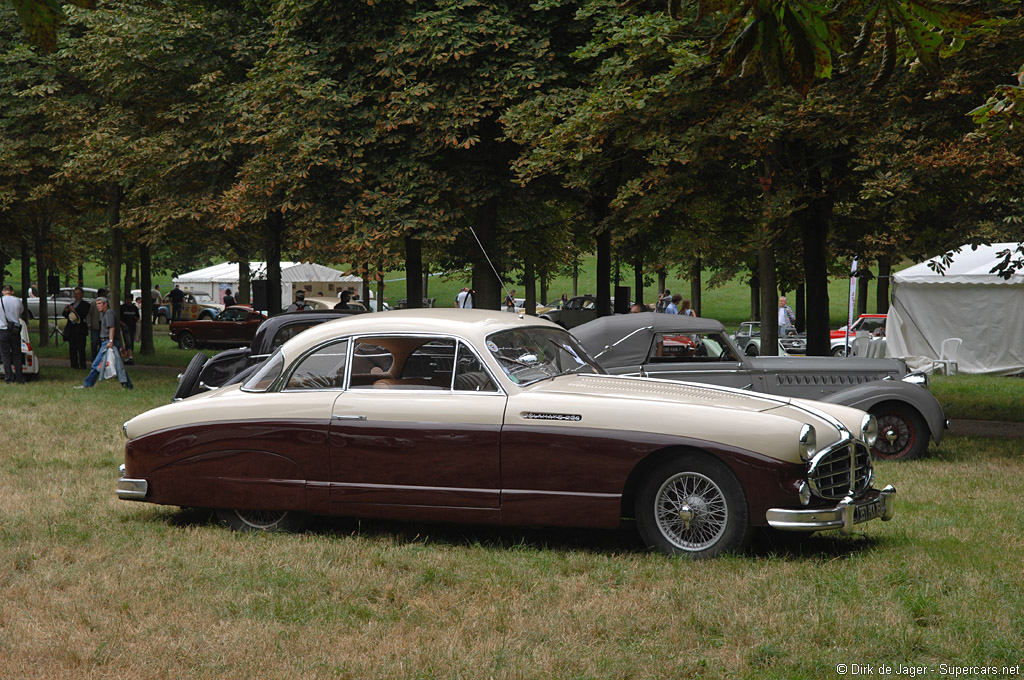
(868, 511)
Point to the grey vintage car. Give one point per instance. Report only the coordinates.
(695, 349)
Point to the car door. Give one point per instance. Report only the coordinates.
(419, 423)
(697, 357)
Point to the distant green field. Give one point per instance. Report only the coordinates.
(729, 303)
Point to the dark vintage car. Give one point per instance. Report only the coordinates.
(697, 349)
(576, 310)
(234, 365)
(474, 416)
(236, 325)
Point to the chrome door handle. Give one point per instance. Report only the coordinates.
(337, 417)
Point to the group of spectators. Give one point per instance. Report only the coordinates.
(673, 303)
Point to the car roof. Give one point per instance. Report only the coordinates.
(472, 324)
(635, 331)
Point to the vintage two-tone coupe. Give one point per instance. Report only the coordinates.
(487, 417)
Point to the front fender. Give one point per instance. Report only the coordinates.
(868, 395)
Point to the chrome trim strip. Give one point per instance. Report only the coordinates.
(347, 417)
(132, 489)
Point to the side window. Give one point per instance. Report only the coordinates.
(470, 375)
(689, 347)
(323, 369)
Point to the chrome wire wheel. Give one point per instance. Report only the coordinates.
(902, 433)
(691, 511)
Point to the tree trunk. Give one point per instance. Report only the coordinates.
(638, 280)
(662, 279)
(882, 287)
(273, 230)
(146, 284)
(863, 276)
(530, 285)
(42, 236)
(815, 238)
(244, 293)
(695, 285)
(543, 289)
(114, 196)
(800, 308)
(769, 300)
(755, 298)
(485, 284)
(413, 272)
(604, 271)
(380, 286)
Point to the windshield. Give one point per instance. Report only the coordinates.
(527, 355)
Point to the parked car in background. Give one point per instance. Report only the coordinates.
(698, 349)
(56, 302)
(577, 310)
(465, 415)
(196, 306)
(234, 326)
(871, 324)
(233, 365)
(748, 338)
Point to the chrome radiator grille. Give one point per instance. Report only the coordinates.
(842, 471)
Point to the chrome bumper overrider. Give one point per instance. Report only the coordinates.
(875, 504)
(132, 489)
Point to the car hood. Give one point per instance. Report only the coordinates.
(756, 422)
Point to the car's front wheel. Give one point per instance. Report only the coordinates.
(186, 340)
(263, 520)
(902, 432)
(839, 351)
(692, 505)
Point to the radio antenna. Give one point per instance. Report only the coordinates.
(488, 258)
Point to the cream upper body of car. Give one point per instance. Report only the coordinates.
(765, 424)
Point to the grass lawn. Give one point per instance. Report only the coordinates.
(95, 587)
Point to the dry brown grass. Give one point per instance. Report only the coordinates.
(94, 587)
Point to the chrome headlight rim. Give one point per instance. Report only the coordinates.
(807, 442)
(869, 429)
(917, 378)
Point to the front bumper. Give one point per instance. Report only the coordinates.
(129, 489)
(844, 516)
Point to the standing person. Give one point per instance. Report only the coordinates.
(77, 329)
(684, 308)
(108, 330)
(563, 300)
(673, 305)
(129, 320)
(157, 297)
(93, 321)
(177, 298)
(460, 299)
(229, 299)
(300, 304)
(786, 315)
(663, 301)
(343, 300)
(510, 301)
(10, 335)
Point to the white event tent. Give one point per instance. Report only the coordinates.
(316, 279)
(968, 301)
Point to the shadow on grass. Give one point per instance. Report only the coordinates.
(764, 544)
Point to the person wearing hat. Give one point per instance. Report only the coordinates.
(76, 329)
(300, 302)
(108, 331)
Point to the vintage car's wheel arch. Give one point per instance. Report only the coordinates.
(691, 460)
(912, 419)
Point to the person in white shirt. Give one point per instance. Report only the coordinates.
(10, 335)
(786, 315)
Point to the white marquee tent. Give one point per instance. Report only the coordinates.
(967, 302)
(316, 279)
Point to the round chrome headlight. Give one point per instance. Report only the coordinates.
(807, 444)
(869, 429)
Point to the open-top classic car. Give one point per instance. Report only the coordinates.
(698, 349)
(483, 417)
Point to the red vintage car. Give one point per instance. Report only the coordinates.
(236, 325)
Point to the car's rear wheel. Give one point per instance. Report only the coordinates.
(902, 432)
(188, 380)
(186, 340)
(263, 520)
(751, 350)
(839, 351)
(692, 505)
